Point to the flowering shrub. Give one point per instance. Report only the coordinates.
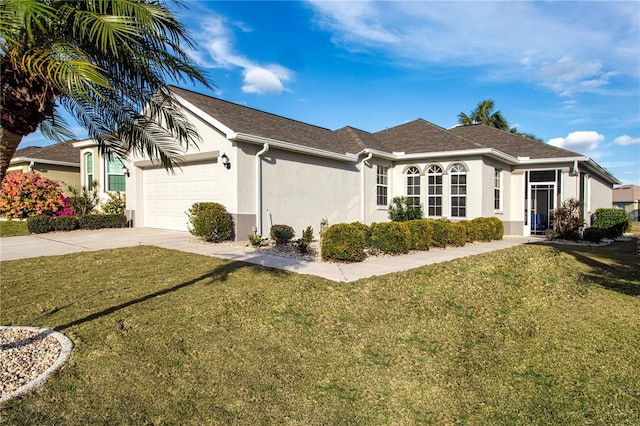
(66, 208)
(28, 194)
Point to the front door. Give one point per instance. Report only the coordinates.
(542, 187)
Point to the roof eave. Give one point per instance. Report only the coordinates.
(288, 146)
(43, 161)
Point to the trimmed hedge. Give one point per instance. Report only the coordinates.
(593, 234)
(344, 242)
(40, 224)
(420, 234)
(366, 229)
(282, 234)
(613, 222)
(458, 235)
(441, 231)
(390, 237)
(100, 221)
(65, 223)
(210, 221)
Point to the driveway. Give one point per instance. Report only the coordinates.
(57, 243)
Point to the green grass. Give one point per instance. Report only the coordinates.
(530, 335)
(13, 228)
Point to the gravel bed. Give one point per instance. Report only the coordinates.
(27, 357)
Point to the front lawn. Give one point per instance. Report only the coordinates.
(531, 335)
(13, 228)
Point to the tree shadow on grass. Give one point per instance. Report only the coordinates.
(615, 267)
(219, 274)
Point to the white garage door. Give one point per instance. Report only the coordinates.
(167, 197)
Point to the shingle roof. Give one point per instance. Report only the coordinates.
(421, 136)
(62, 151)
(414, 137)
(626, 193)
(510, 143)
(251, 121)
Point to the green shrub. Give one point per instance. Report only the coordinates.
(458, 234)
(441, 229)
(613, 222)
(366, 229)
(593, 234)
(483, 229)
(255, 239)
(65, 223)
(568, 218)
(83, 200)
(40, 224)
(23, 195)
(115, 204)
(344, 242)
(303, 243)
(100, 221)
(282, 234)
(470, 230)
(401, 211)
(420, 234)
(390, 237)
(496, 228)
(210, 221)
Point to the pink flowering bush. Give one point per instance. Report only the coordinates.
(29, 194)
(66, 209)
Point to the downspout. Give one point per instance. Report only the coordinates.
(259, 155)
(362, 185)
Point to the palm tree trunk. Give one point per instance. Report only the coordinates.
(9, 142)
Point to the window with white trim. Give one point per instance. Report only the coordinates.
(413, 188)
(434, 191)
(115, 177)
(497, 190)
(458, 176)
(382, 185)
(88, 169)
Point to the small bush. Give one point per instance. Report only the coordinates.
(496, 228)
(613, 222)
(366, 229)
(483, 229)
(401, 211)
(115, 204)
(470, 230)
(420, 234)
(282, 234)
(83, 200)
(23, 195)
(344, 242)
(593, 235)
(390, 237)
(441, 231)
(567, 218)
(65, 223)
(210, 221)
(458, 234)
(255, 239)
(40, 224)
(100, 221)
(303, 243)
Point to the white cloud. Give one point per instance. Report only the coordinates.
(625, 140)
(578, 141)
(218, 42)
(561, 47)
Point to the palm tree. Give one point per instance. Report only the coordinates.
(484, 114)
(107, 63)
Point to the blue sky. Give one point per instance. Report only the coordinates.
(568, 72)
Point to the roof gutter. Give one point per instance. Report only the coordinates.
(244, 137)
(43, 161)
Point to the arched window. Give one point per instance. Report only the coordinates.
(458, 191)
(434, 190)
(88, 169)
(413, 187)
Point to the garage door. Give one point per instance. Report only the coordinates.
(167, 197)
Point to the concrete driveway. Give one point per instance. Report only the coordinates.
(57, 243)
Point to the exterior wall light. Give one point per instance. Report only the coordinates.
(225, 161)
(125, 171)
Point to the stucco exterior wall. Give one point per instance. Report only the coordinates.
(300, 190)
(600, 195)
(66, 175)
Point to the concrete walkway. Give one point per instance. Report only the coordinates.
(58, 243)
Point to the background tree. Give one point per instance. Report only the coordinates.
(104, 61)
(483, 113)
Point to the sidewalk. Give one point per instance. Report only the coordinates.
(58, 243)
